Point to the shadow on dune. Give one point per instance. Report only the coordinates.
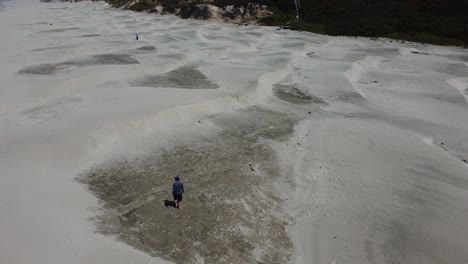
(168, 203)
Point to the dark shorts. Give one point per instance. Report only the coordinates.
(177, 197)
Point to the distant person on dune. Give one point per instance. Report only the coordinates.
(177, 191)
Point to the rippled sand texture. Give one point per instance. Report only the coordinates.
(293, 147)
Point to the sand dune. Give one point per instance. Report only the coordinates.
(294, 147)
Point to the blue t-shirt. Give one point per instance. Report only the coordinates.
(178, 188)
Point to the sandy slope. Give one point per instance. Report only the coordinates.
(295, 147)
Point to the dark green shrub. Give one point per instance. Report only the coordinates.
(142, 6)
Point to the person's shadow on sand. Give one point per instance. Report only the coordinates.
(168, 203)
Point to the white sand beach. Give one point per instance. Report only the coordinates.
(293, 147)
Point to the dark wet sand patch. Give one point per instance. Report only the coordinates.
(146, 48)
(292, 94)
(102, 59)
(45, 69)
(89, 35)
(114, 59)
(37, 23)
(57, 30)
(230, 213)
(53, 48)
(185, 77)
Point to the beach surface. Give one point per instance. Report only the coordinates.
(293, 147)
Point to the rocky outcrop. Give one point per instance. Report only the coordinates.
(203, 11)
(252, 13)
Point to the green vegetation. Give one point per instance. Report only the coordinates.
(141, 6)
(429, 21)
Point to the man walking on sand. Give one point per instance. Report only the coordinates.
(177, 191)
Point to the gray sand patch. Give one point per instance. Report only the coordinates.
(122, 17)
(383, 52)
(432, 173)
(168, 39)
(409, 234)
(292, 94)
(174, 56)
(459, 57)
(408, 241)
(447, 98)
(230, 212)
(454, 69)
(102, 59)
(52, 110)
(185, 77)
(293, 45)
(350, 97)
(254, 34)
